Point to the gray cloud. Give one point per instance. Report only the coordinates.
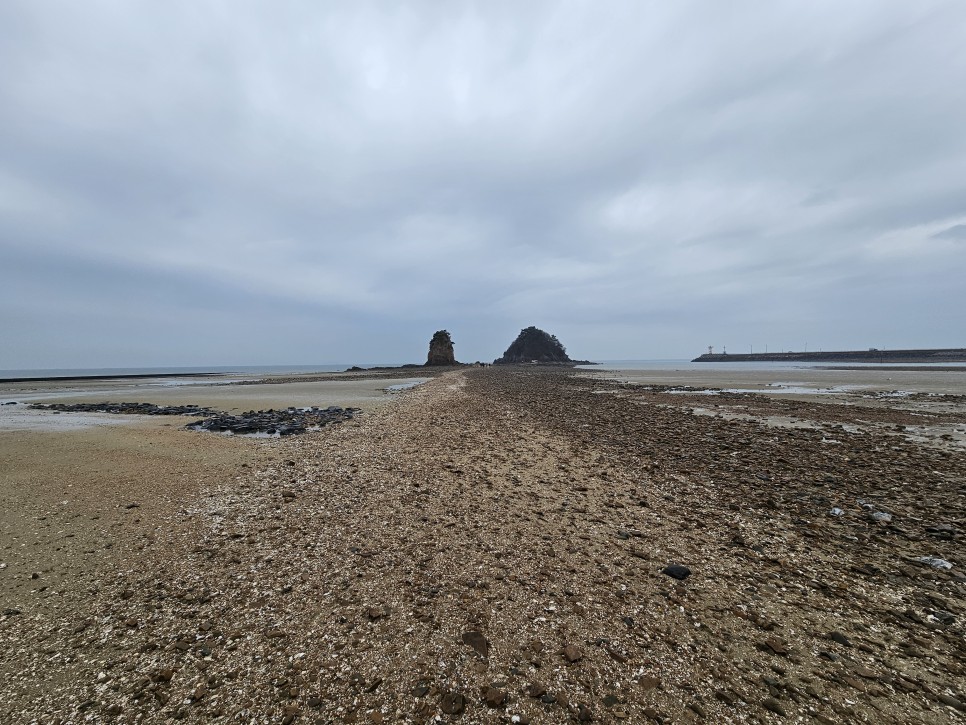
(300, 183)
(956, 233)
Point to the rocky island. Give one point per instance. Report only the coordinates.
(441, 350)
(533, 345)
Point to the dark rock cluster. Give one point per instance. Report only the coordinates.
(125, 408)
(290, 421)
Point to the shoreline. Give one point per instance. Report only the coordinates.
(135, 376)
(492, 544)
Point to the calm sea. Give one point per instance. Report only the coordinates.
(283, 369)
(240, 369)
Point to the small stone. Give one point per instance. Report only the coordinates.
(419, 691)
(951, 702)
(572, 654)
(649, 683)
(584, 713)
(770, 703)
(677, 571)
(776, 646)
(536, 689)
(935, 562)
(478, 641)
(611, 700)
(840, 638)
(495, 697)
(698, 709)
(942, 531)
(452, 703)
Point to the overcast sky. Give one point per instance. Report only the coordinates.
(219, 183)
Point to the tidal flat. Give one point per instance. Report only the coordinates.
(498, 545)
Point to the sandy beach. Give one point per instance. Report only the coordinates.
(495, 545)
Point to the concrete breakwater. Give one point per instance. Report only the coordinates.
(938, 355)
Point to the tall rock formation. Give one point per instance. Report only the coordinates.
(441, 350)
(534, 345)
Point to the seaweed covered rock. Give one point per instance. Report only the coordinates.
(441, 350)
(534, 345)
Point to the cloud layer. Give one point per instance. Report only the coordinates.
(241, 183)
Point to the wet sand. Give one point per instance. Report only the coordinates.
(490, 546)
(218, 392)
(877, 379)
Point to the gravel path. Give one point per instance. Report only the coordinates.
(491, 547)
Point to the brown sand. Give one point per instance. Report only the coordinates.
(490, 546)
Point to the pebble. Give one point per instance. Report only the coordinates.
(677, 571)
(776, 646)
(935, 562)
(840, 638)
(573, 654)
(495, 697)
(452, 703)
(951, 701)
(478, 641)
(698, 709)
(770, 703)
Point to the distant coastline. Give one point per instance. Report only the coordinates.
(939, 355)
(55, 378)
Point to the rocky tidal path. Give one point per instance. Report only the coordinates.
(524, 546)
